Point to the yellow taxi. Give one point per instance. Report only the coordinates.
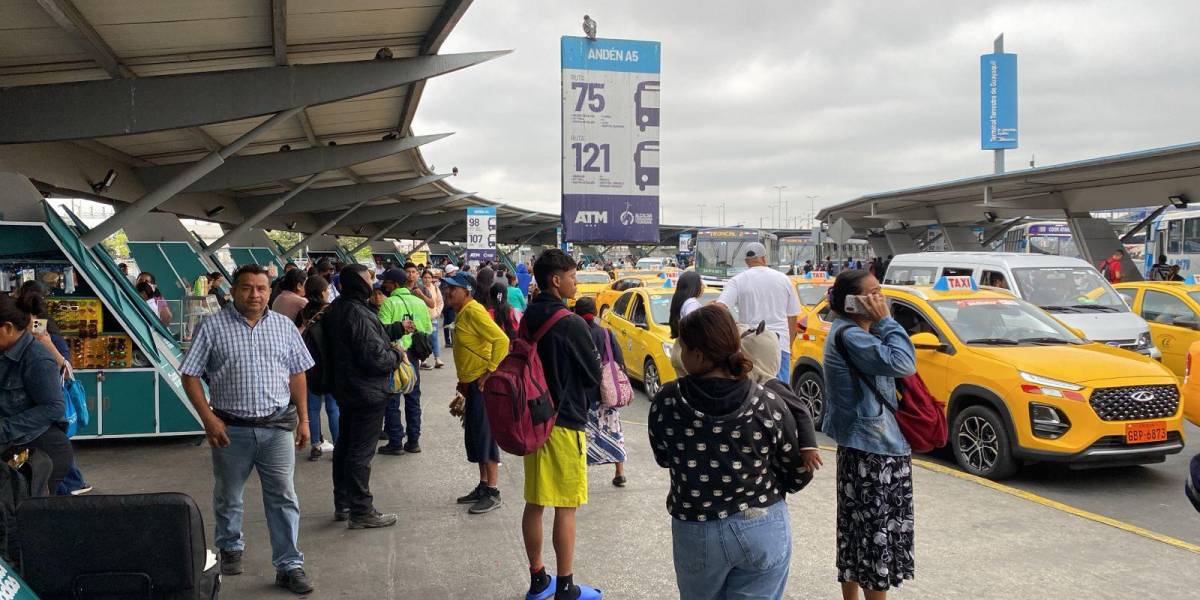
(588, 284)
(811, 287)
(1019, 386)
(1172, 310)
(1191, 385)
(639, 320)
(605, 297)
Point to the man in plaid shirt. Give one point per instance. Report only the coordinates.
(254, 362)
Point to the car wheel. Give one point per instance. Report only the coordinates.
(981, 444)
(650, 378)
(810, 388)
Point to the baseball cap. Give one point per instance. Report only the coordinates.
(451, 269)
(394, 275)
(755, 250)
(462, 280)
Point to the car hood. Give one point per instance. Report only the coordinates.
(1083, 364)
(1104, 327)
(590, 288)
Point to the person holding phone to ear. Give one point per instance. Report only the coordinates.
(864, 354)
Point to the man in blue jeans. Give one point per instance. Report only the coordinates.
(402, 305)
(255, 362)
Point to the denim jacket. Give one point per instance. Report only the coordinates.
(853, 416)
(31, 397)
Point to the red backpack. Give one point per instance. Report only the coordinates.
(921, 417)
(520, 410)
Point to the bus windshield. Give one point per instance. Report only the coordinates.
(1068, 289)
(722, 252)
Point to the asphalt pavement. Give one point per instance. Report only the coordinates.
(972, 541)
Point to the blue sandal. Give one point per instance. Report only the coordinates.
(587, 593)
(545, 594)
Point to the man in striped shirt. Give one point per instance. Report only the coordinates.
(254, 362)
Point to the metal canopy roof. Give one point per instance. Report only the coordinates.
(1135, 179)
(55, 42)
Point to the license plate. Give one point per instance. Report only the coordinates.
(1142, 433)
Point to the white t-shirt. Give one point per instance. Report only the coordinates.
(763, 294)
(689, 305)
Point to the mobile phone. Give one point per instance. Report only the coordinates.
(39, 326)
(855, 305)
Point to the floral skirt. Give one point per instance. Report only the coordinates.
(874, 519)
(605, 442)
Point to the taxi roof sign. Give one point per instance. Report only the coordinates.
(958, 282)
(1191, 280)
(816, 275)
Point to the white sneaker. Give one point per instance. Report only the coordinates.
(325, 446)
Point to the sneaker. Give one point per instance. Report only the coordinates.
(87, 488)
(231, 562)
(374, 520)
(391, 450)
(488, 501)
(473, 497)
(326, 446)
(426, 367)
(341, 514)
(412, 447)
(315, 454)
(294, 581)
(437, 363)
(619, 481)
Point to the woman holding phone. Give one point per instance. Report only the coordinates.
(865, 352)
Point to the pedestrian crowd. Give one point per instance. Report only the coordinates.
(735, 439)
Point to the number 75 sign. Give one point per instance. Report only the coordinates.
(610, 142)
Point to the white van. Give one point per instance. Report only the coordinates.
(1068, 288)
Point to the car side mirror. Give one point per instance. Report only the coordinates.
(1189, 322)
(927, 341)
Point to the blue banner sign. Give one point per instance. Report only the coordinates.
(998, 101)
(610, 135)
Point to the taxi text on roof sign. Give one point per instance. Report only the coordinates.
(816, 275)
(962, 282)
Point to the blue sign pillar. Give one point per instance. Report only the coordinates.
(998, 102)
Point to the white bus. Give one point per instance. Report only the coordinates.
(1043, 237)
(1177, 235)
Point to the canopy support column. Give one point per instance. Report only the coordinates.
(430, 238)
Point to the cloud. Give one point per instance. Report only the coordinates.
(833, 100)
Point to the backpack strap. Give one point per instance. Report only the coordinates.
(558, 315)
(840, 342)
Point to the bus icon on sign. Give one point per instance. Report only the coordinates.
(645, 103)
(645, 161)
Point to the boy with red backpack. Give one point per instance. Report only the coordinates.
(479, 346)
(556, 474)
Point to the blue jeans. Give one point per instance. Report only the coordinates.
(785, 367)
(270, 452)
(393, 425)
(314, 417)
(73, 481)
(737, 557)
(437, 338)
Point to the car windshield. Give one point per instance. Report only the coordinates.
(591, 277)
(660, 306)
(811, 294)
(1068, 290)
(1195, 296)
(1001, 321)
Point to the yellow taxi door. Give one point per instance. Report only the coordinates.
(637, 347)
(622, 330)
(933, 366)
(1170, 318)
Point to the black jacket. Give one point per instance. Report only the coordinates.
(569, 358)
(363, 360)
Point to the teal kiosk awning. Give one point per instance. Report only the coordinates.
(175, 265)
(146, 399)
(255, 256)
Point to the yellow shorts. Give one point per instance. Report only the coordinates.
(556, 475)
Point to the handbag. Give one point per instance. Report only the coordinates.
(921, 417)
(615, 389)
(404, 379)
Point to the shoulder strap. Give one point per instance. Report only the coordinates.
(840, 342)
(608, 355)
(558, 315)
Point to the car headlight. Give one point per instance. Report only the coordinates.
(1144, 341)
(667, 348)
(1046, 381)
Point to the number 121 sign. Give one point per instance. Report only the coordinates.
(610, 127)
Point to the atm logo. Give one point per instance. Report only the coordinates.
(592, 217)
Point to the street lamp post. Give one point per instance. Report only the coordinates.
(702, 214)
(812, 206)
(782, 205)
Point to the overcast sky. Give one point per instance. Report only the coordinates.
(832, 99)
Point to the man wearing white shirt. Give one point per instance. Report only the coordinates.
(761, 293)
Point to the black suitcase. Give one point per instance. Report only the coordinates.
(133, 546)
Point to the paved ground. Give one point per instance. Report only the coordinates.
(972, 541)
